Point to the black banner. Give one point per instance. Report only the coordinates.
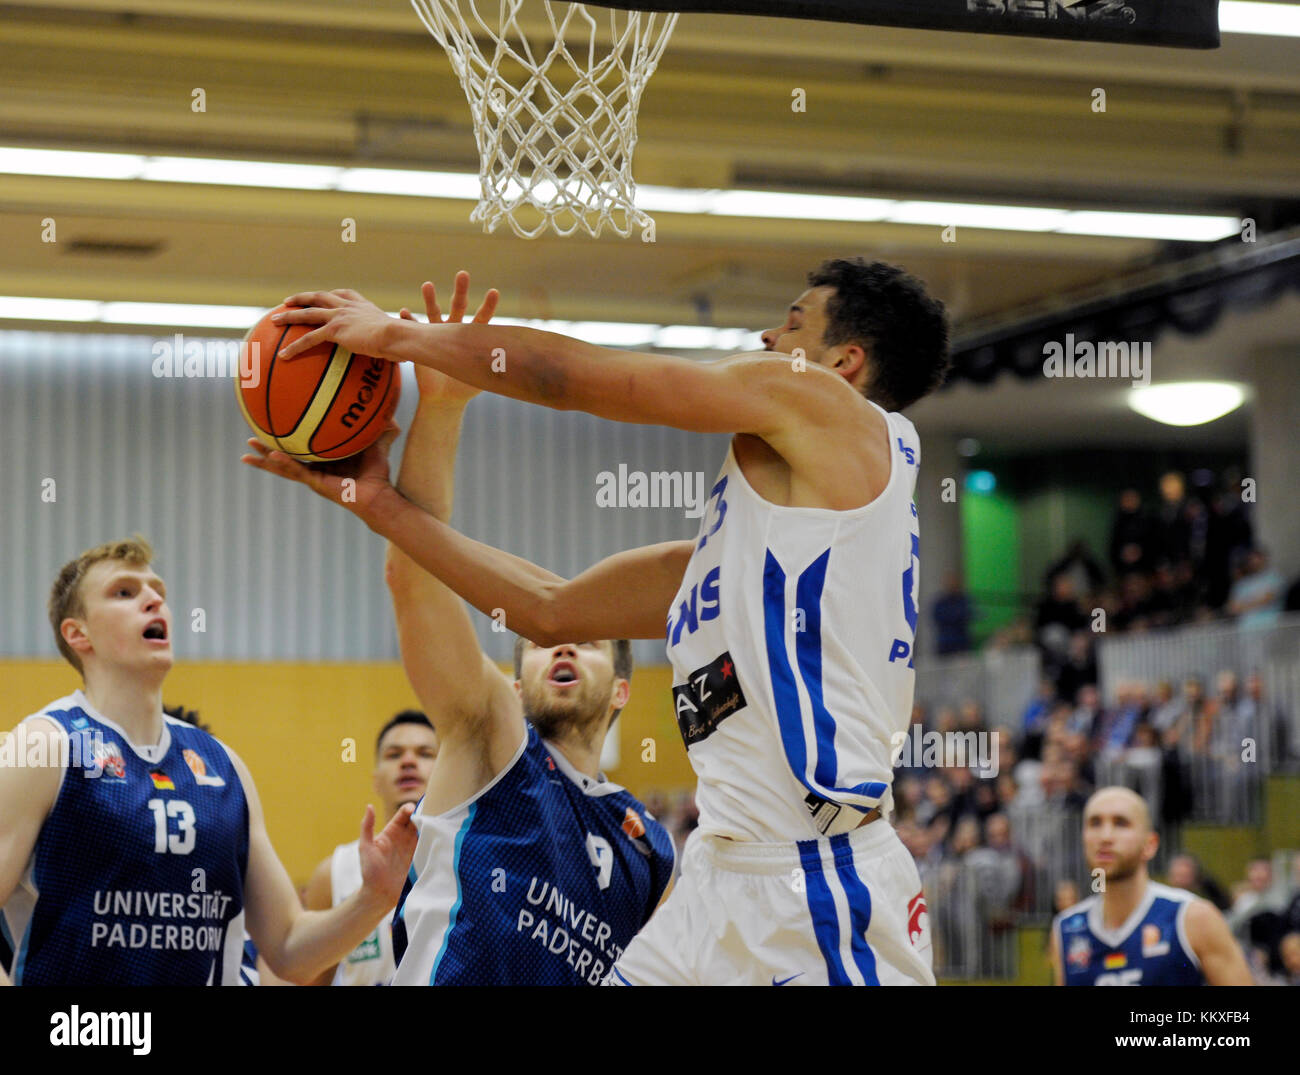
(1179, 23)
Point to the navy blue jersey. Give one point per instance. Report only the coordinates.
(137, 876)
(540, 879)
(1151, 948)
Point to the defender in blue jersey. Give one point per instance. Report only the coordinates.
(1135, 931)
(133, 849)
(531, 867)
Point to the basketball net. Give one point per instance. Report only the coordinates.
(555, 119)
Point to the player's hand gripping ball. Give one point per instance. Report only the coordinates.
(325, 404)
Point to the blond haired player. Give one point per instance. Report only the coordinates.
(1138, 932)
(790, 619)
(138, 853)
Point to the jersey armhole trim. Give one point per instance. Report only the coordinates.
(467, 803)
(66, 753)
(1180, 927)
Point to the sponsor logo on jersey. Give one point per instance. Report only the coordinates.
(1115, 960)
(918, 918)
(1079, 954)
(80, 722)
(161, 780)
(200, 770)
(634, 830)
(366, 951)
(1152, 945)
(822, 811)
(708, 697)
(109, 761)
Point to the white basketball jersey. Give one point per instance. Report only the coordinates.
(370, 962)
(791, 643)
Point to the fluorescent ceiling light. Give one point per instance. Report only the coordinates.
(1191, 403)
(764, 203)
(1178, 226)
(1242, 17)
(761, 204)
(965, 215)
(178, 315)
(24, 309)
(235, 173)
(404, 181)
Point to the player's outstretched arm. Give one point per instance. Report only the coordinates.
(435, 633)
(1221, 957)
(27, 794)
(766, 394)
(297, 944)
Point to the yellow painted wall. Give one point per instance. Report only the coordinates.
(288, 722)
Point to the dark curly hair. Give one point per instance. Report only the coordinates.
(889, 313)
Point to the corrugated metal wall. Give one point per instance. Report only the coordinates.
(279, 573)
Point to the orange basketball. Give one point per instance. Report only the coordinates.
(324, 404)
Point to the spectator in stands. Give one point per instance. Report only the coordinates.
(952, 613)
(1065, 896)
(1033, 722)
(1059, 616)
(1227, 531)
(1256, 597)
(1011, 865)
(1079, 669)
(1087, 714)
(1081, 566)
(1290, 951)
(970, 716)
(1252, 896)
(1115, 729)
(1179, 733)
(1135, 610)
(1268, 721)
(1172, 533)
(1130, 535)
(1185, 872)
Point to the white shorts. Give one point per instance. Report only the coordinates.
(841, 911)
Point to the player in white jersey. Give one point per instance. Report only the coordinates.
(133, 847)
(405, 750)
(790, 618)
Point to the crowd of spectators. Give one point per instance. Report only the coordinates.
(1188, 558)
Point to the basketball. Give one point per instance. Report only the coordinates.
(326, 404)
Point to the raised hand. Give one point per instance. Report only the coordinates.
(433, 385)
(386, 857)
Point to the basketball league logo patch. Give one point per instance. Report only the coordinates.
(200, 770)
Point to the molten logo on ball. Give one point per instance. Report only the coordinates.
(325, 404)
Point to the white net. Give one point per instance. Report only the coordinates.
(555, 117)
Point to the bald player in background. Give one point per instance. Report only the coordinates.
(1137, 931)
(405, 751)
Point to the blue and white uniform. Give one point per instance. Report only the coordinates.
(791, 642)
(1151, 948)
(137, 876)
(542, 878)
